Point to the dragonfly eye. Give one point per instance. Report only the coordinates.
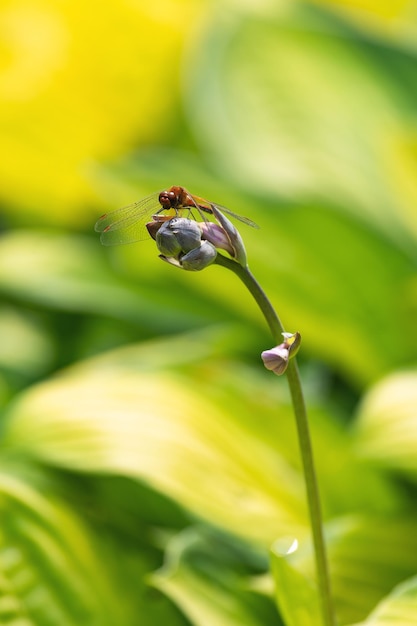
(168, 199)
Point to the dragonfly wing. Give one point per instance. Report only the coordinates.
(135, 231)
(235, 216)
(128, 224)
(241, 218)
(206, 205)
(127, 215)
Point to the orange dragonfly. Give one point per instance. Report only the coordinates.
(128, 224)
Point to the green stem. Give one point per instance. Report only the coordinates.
(304, 439)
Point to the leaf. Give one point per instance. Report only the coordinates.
(70, 273)
(203, 575)
(25, 347)
(152, 426)
(296, 594)
(74, 92)
(399, 608)
(386, 432)
(368, 556)
(49, 572)
(386, 20)
(366, 559)
(299, 106)
(69, 562)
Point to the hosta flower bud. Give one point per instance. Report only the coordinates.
(232, 235)
(276, 359)
(195, 260)
(199, 258)
(178, 236)
(216, 235)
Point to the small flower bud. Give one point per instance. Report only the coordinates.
(216, 235)
(233, 235)
(199, 258)
(276, 359)
(178, 236)
(195, 260)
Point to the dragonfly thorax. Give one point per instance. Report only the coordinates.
(175, 198)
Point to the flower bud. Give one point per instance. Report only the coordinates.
(276, 359)
(199, 258)
(178, 236)
(195, 260)
(216, 235)
(233, 235)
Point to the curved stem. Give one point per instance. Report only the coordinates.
(257, 292)
(304, 439)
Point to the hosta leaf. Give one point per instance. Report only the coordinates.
(296, 593)
(399, 608)
(298, 106)
(70, 273)
(367, 558)
(25, 347)
(153, 427)
(67, 557)
(73, 95)
(386, 430)
(49, 572)
(204, 577)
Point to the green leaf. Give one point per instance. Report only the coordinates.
(25, 347)
(399, 608)
(70, 273)
(49, 571)
(386, 432)
(297, 105)
(203, 575)
(104, 416)
(367, 559)
(296, 593)
(68, 557)
(368, 556)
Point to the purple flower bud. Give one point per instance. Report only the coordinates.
(216, 235)
(276, 359)
(233, 236)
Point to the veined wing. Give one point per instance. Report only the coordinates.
(120, 218)
(127, 224)
(241, 218)
(206, 205)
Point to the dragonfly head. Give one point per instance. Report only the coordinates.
(171, 198)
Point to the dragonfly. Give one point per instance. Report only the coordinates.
(128, 224)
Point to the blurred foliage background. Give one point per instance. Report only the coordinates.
(147, 461)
